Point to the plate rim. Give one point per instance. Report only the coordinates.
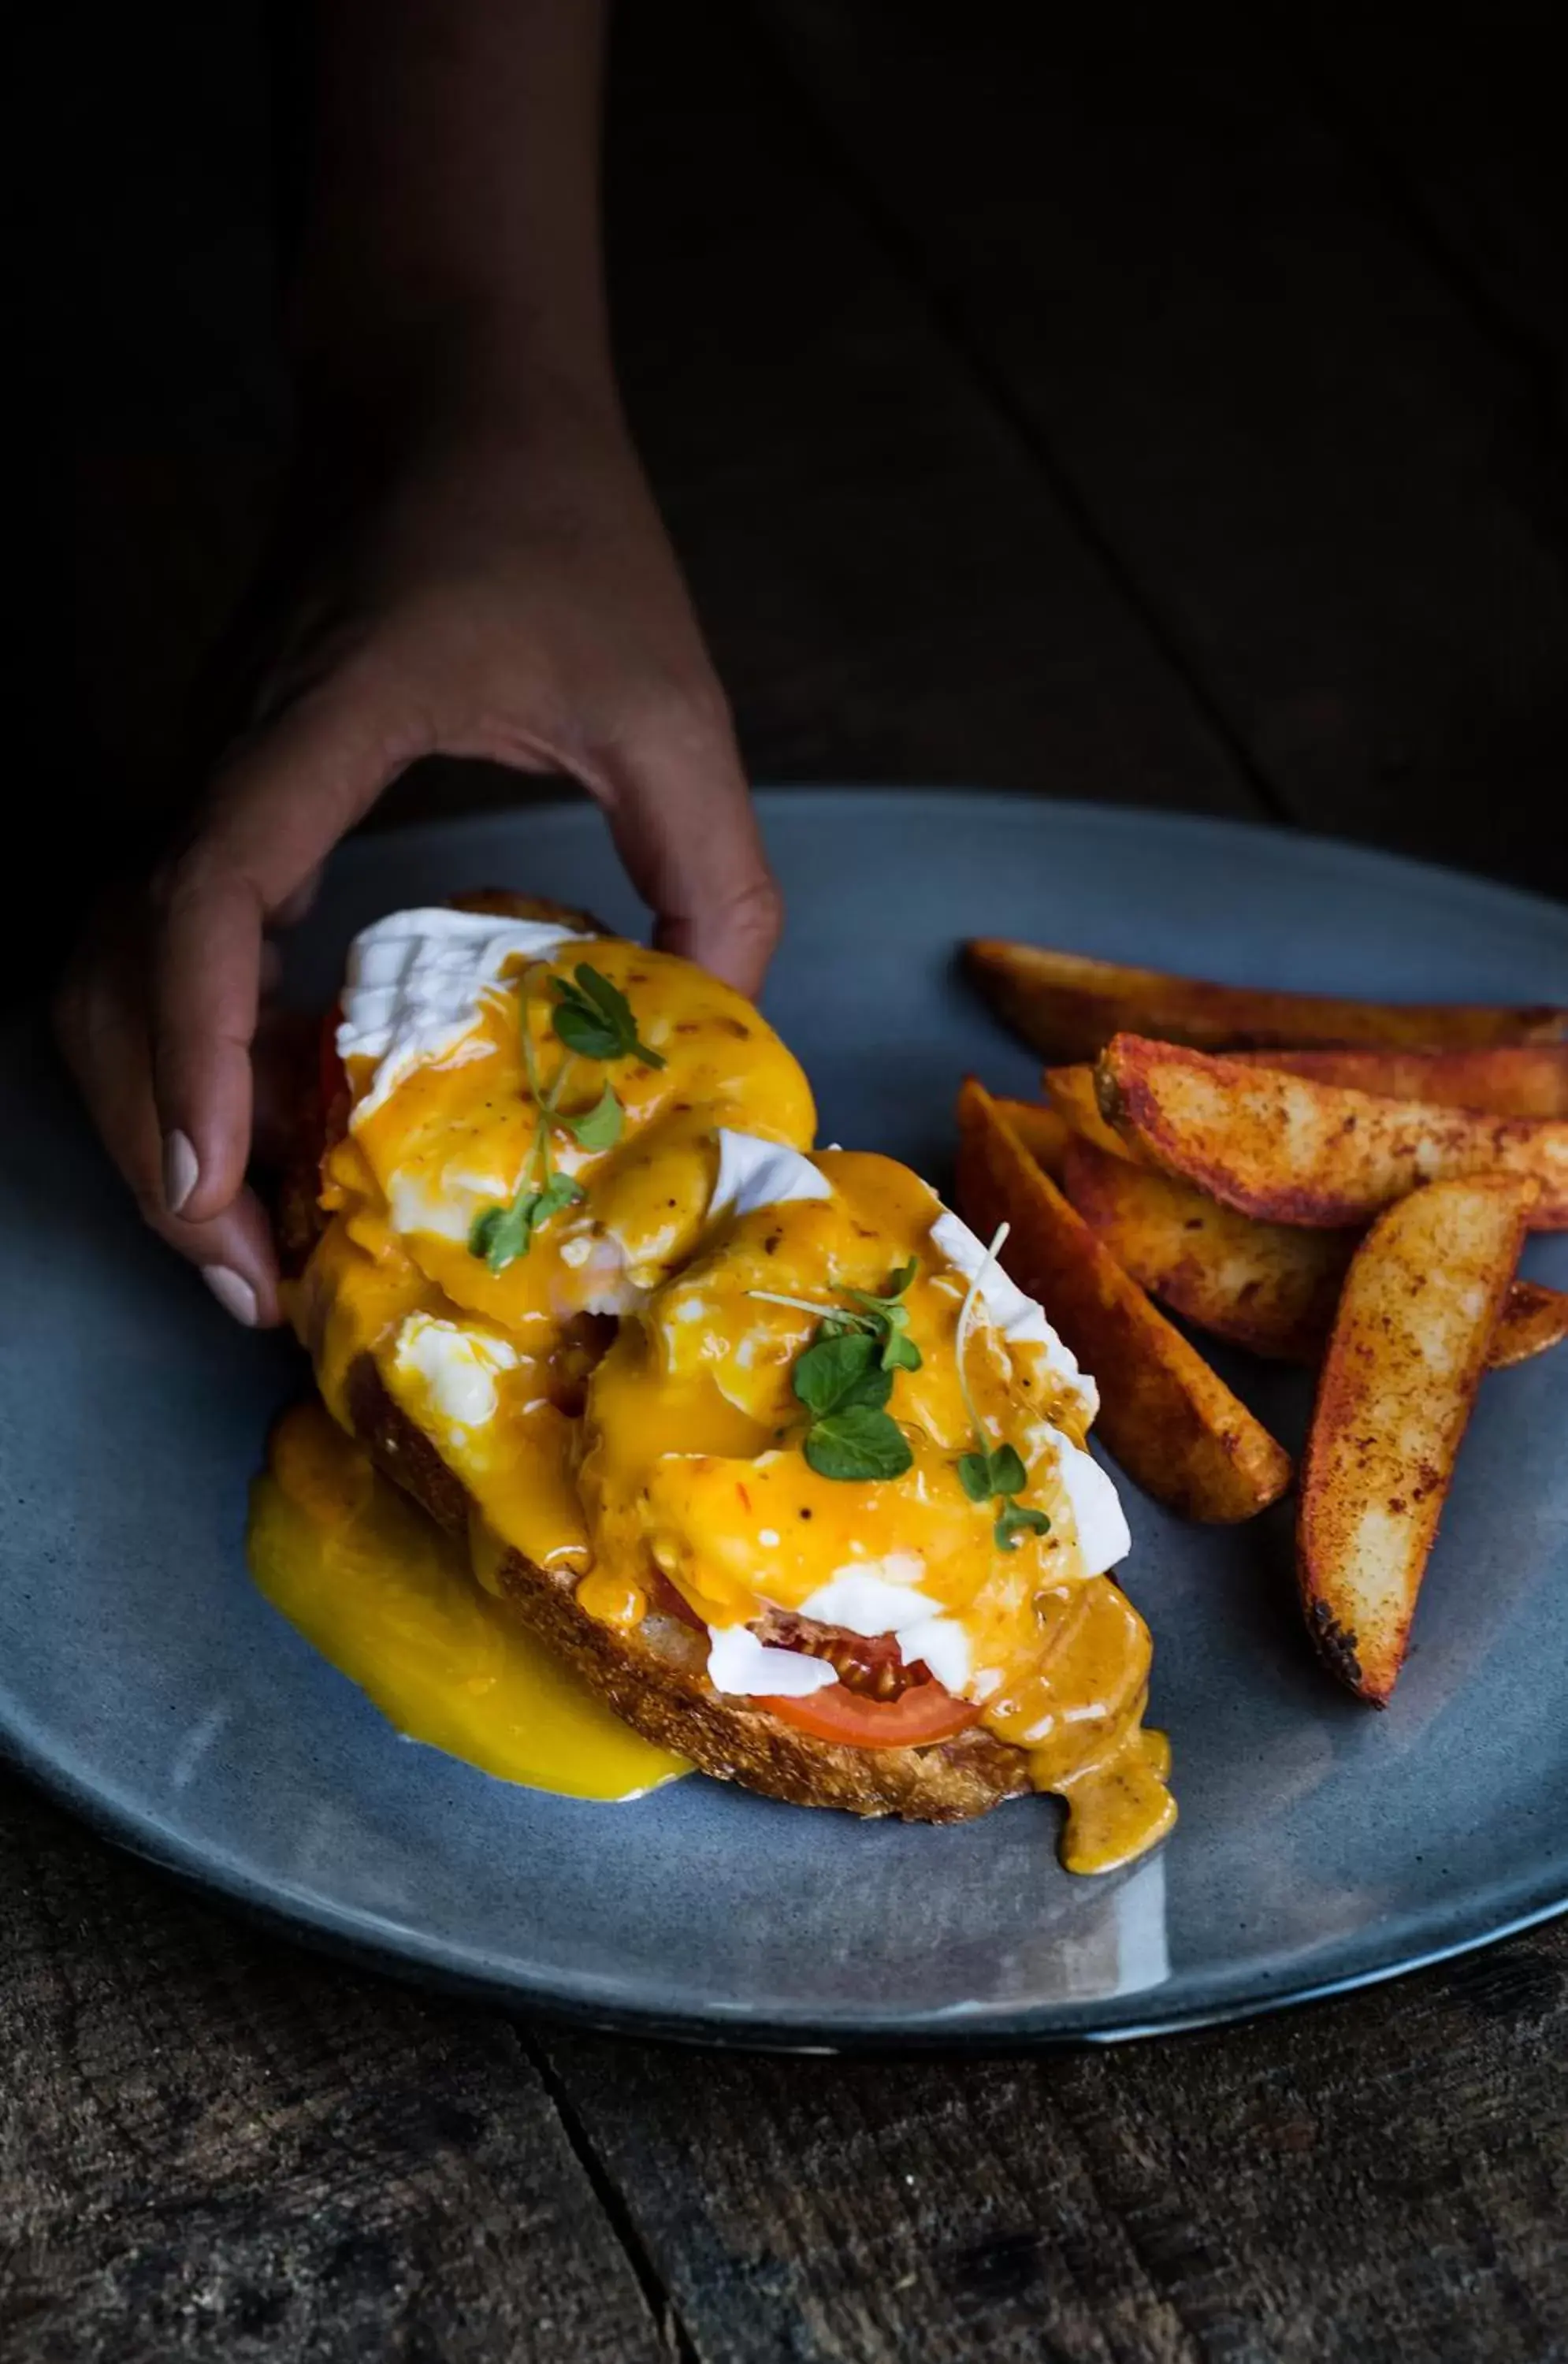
(361, 1939)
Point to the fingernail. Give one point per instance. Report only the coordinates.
(234, 1296)
(180, 1171)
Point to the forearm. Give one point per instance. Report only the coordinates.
(452, 252)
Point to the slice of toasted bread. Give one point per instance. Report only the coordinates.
(653, 1674)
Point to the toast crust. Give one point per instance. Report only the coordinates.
(653, 1675)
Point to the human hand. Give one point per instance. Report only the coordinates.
(511, 597)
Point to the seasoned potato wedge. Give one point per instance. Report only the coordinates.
(1043, 1132)
(1294, 1151)
(1526, 1079)
(1265, 1285)
(1074, 1093)
(1068, 1006)
(1416, 1317)
(1170, 1421)
(1534, 1318)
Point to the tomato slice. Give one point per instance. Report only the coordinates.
(923, 1714)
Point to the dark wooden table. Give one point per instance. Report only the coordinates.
(1143, 409)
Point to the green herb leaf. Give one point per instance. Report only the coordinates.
(887, 1303)
(501, 1234)
(839, 1324)
(595, 1018)
(900, 1353)
(486, 1228)
(602, 1125)
(838, 1373)
(974, 1475)
(981, 1474)
(994, 1476)
(858, 1442)
(1015, 1521)
(1008, 1474)
(888, 1320)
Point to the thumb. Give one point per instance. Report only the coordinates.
(682, 821)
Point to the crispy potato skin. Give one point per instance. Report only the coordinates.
(1074, 1093)
(1408, 1347)
(1170, 1421)
(1516, 1080)
(653, 1674)
(1534, 1318)
(1068, 1006)
(1044, 1133)
(1264, 1286)
(1291, 1150)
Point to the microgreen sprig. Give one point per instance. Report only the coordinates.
(844, 1385)
(592, 1015)
(593, 1019)
(991, 1472)
(884, 1319)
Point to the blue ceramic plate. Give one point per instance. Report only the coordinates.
(144, 1681)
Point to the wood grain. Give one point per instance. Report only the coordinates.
(212, 2144)
(1379, 2178)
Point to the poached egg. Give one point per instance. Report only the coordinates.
(619, 1396)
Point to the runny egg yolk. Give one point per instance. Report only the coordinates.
(390, 1600)
(618, 1401)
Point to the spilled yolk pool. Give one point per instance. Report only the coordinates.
(391, 1601)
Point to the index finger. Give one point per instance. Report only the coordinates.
(276, 811)
(684, 823)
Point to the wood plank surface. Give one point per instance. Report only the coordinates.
(1338, 495)
(1381, 2177)
(214, 2145)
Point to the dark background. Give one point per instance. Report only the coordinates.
(1132, 402)
(1140, 402)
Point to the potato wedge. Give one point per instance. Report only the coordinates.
(1043, 1132)
(1170, 1421)
(1068, 1005)
(1534, 1318)
(1526, 1079)
(1074, 1097)
(1265, 1285)
(1416, 1317)
(1294, 1151)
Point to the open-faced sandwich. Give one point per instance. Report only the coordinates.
(758, 1439)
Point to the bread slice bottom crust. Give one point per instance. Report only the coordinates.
(653, 1674)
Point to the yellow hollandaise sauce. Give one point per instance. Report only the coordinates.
(392, 1602)
(588, 1256)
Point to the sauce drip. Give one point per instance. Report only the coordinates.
(392, 1602)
